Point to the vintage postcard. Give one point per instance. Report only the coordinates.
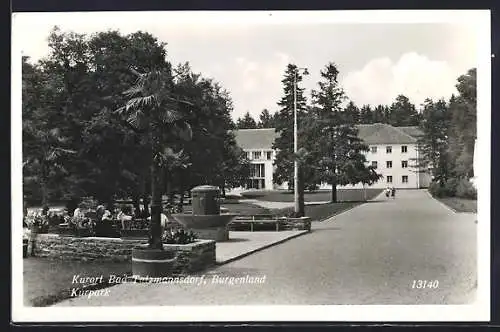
(251, 166)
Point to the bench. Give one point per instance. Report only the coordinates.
(257, 219)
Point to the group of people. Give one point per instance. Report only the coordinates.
(390, 192)
(125, 215)
(102, 219)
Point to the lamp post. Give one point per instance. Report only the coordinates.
(295, 142)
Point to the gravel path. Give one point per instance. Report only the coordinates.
(368, 255)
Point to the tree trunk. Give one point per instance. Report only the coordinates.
(45, 199)
(43, 188)
(334, 191)
(145, 203)
(155, 240)
(137, 205)
(171, 198)
(301, 194)
(181, 202)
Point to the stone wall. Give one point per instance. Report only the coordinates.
(190, 257)
(218, 234)
(301, 224)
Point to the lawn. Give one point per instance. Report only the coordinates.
(245, 208)
(49, 281)
(343, 195)
(317, 212)
(320, 212)
(460, 204)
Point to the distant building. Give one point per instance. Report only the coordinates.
(257, 143)
(393, 151)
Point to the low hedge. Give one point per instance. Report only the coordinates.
(453, 187)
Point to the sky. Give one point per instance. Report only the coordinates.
(379, 54)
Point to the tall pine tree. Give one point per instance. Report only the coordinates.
(284, 121)
(366, 116)
(266, 119)
(403, 113)
(247, 122)
(284, 143)
(351, 113)
(342, 159)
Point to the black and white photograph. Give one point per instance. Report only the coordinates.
(251, 166)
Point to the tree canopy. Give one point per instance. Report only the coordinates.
(69, 98)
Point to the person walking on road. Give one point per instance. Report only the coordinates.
(393, 193)
(387, 192)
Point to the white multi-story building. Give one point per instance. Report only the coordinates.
(257, 143)
(393, 152)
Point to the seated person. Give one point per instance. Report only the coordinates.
(107, 216)
(163, 222)
(78, 213)
(124, 215)
(103, 214)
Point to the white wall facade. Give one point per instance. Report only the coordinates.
(412, 179)
(395, 175)
(268, 166)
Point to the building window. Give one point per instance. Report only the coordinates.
(404, 178)
(404, 149)
(256, 154)
(388, 149)
(404, 163)
(388, 164)
(257, 171)
(374, 149)
(256, 184)
(374, 164)
(389, 179)
(269, 155)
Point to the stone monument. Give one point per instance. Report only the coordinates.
(205, 219)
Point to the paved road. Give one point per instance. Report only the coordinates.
(368, 255)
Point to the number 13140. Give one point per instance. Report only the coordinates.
(419, 284)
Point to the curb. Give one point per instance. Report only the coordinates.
(261, 248)
(352, 207)
(338, 214)
(449, 207)
(442, 204)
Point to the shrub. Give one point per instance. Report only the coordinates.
(465, 189)
(437, 190)
(450, 187)
(179, 236)
(37, 222)
(453, 187)
(253, 194)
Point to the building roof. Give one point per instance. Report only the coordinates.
(412, 131)
(382, 133)
(376, 133)
(255, 138)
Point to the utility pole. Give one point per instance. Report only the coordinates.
(295, 162)
(296, 190)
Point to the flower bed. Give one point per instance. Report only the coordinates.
(134, 233)
(191, 257)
